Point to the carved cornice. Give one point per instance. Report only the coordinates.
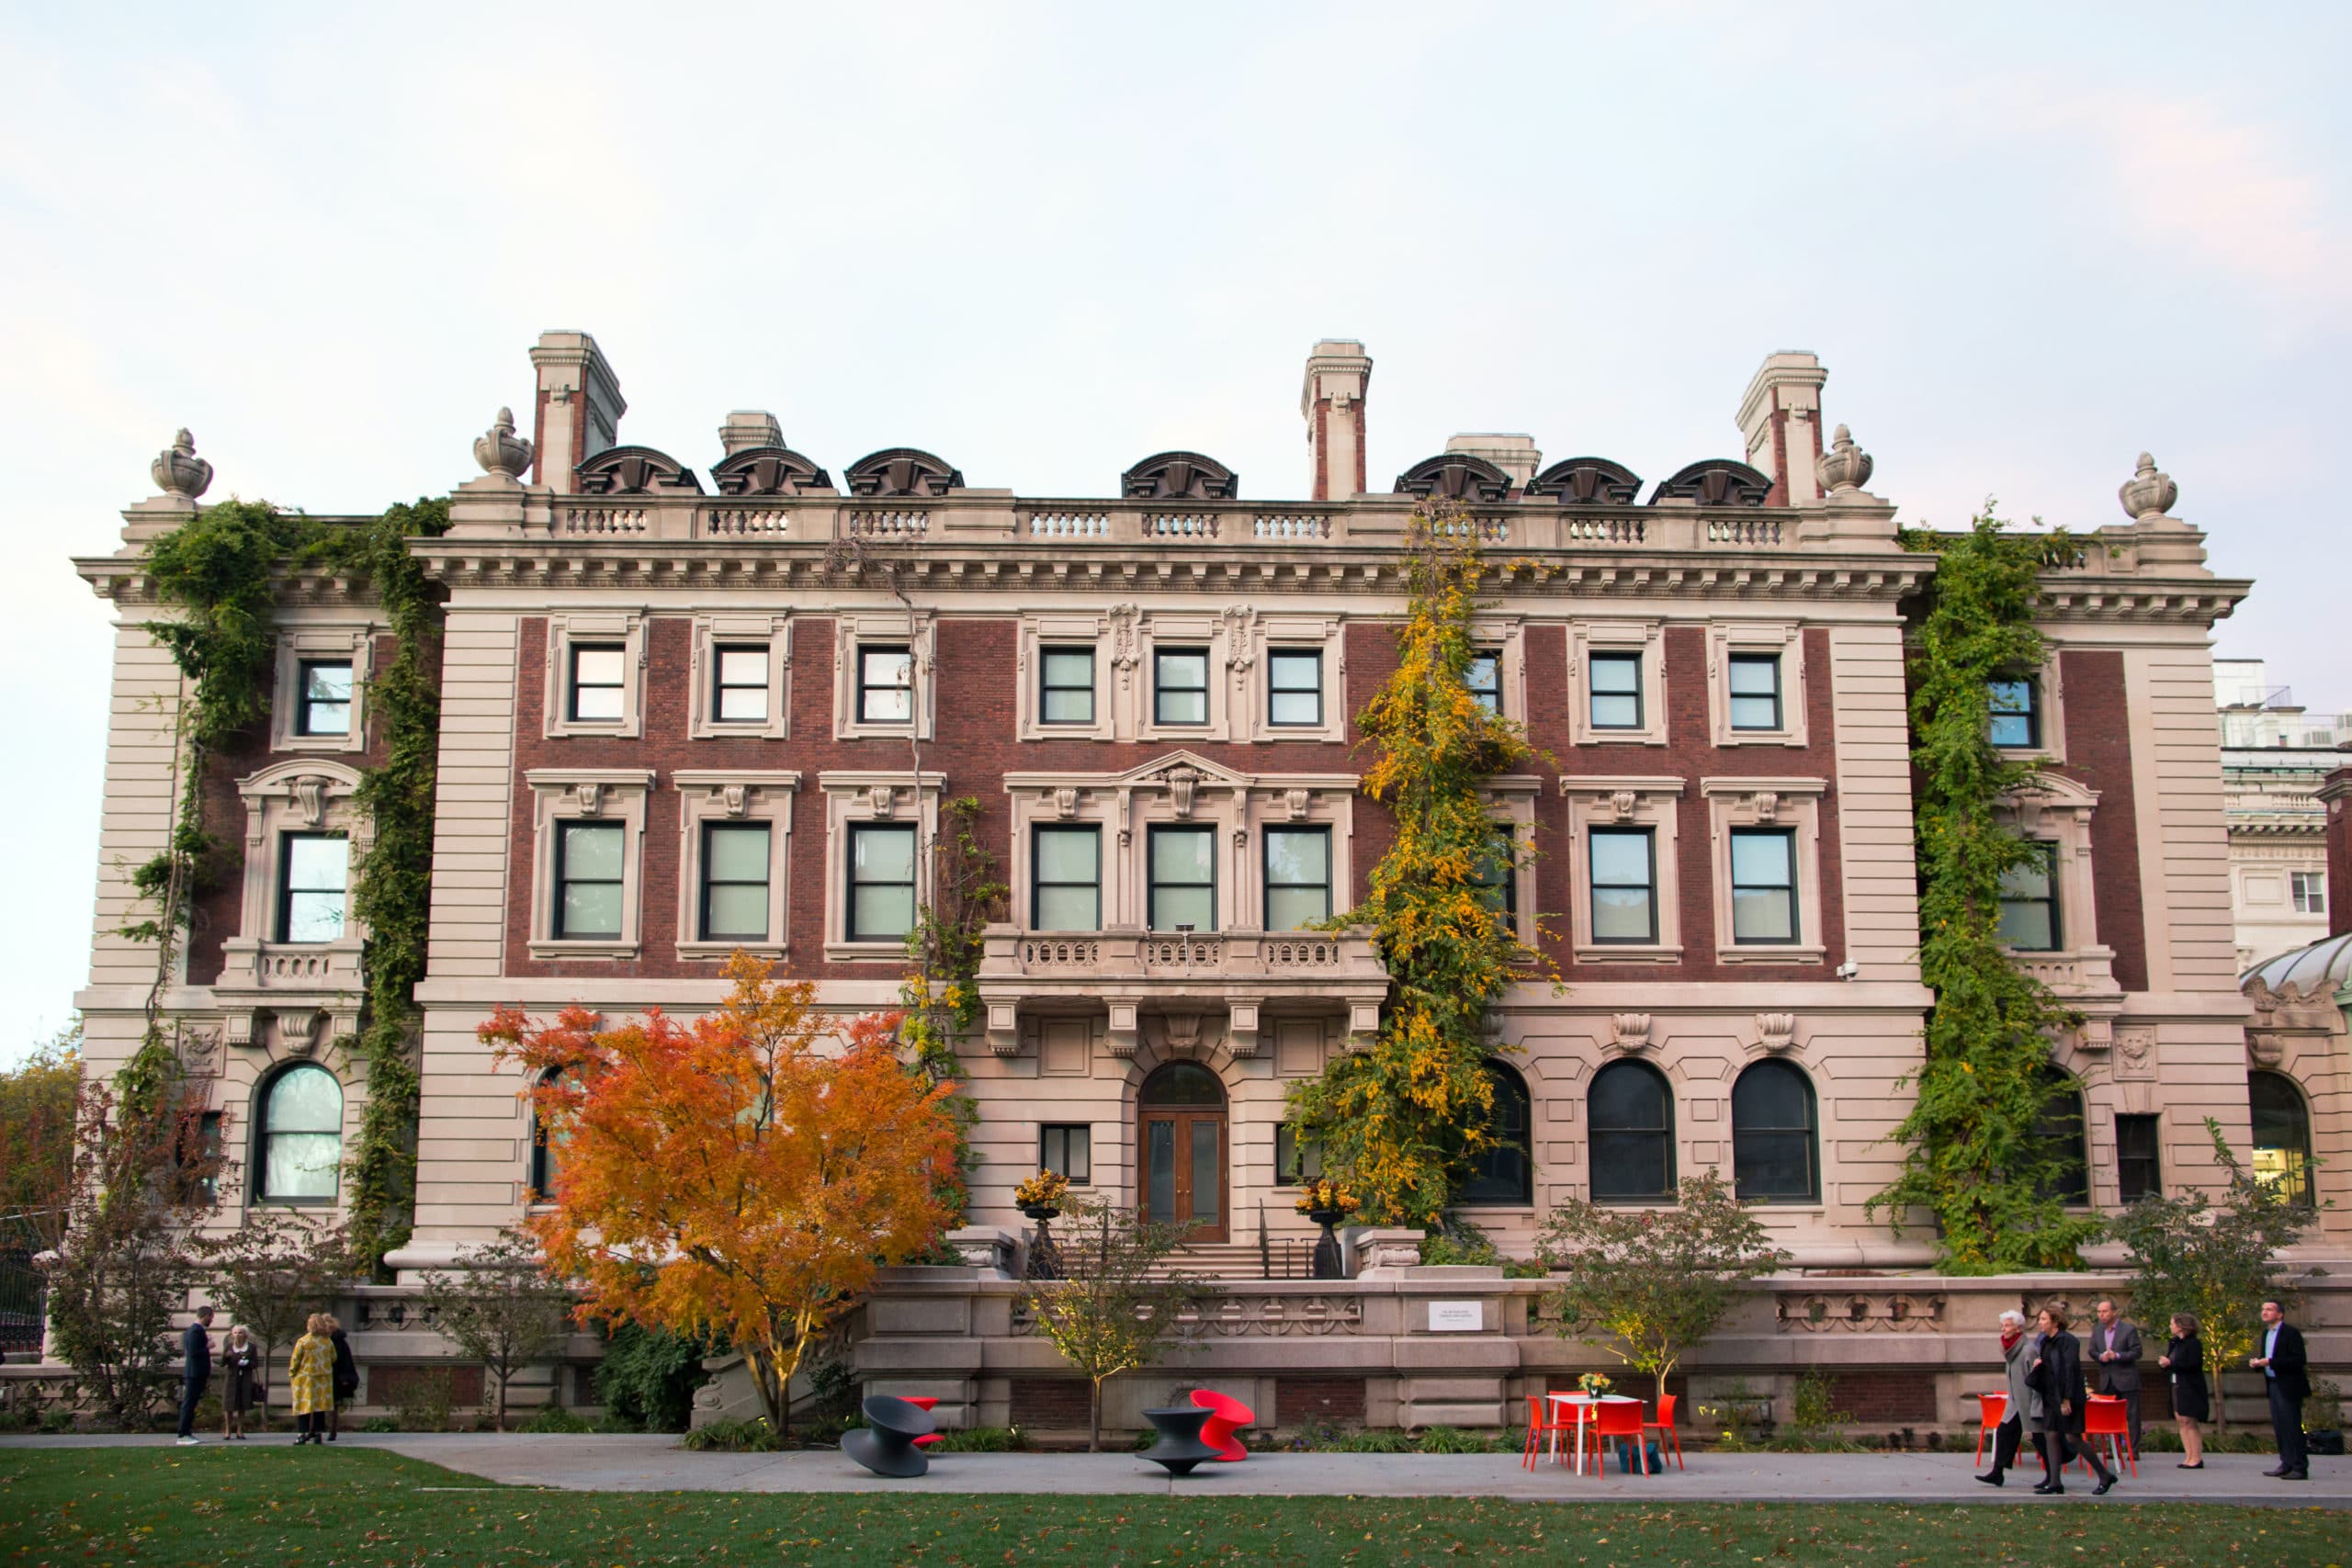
(124, 580)
(2197, 599)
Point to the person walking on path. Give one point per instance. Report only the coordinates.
(346, 1375)
(196, 1370)
(2115, 1355)
(2016, 1350)
(2058, 1359)
(311, 1370)
(2184, 1358)
(239, 1356)
(2286, 1375)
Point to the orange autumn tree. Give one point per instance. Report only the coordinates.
(732, 1175)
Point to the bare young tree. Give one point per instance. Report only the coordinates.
(272, 1273)
(498, 1307)
(1113, 1311)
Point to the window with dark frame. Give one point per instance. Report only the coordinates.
(1066, 677)
(2029, 901)
(735, 881)
(1067, 1148)
(2061, 1126)
(1496, 880)
(739, 695)
(1505, 1174)
(2282, 1133)
(596, 682)
(1616, 695)
(205, 1154)
(1775, 1135)
(1180, 685)
(2308, 890)
(1484, 679)
(2139, 1171)
(1182, 882)
(1631, 1109)
(588, 881)
(314, 875)
(546, 1152)
(885, 685)
(1295, 687)
(1763, 886)
(2017, 712)
(1296, 1160)
(1623, 862)
(1065, 887)
(1754, 691)
(881, 881)
(1298, 878)
(298, 1136)
(324, 706)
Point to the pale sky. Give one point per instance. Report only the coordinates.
(1046, 241)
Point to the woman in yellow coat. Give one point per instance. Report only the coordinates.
(312, 1373)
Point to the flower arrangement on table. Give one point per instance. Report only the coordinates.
(1594, 1384)
(1324, 1196)
(1046, 1190)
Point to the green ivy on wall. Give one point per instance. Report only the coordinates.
(941, 998)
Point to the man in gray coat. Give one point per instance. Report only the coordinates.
(2115, 1363)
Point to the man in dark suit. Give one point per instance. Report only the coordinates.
(2279, 1359)
(2115, 1356)
(196, 1370)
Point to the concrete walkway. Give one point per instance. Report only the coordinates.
(589, 1463)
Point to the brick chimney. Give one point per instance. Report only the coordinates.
(1332, 403)
(747, 428)
(1781, 417)
(580, 406)
(2335, 798)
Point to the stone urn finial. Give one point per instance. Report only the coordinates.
(179, 471)
(2148, 493)
(500, 451)
(1845, 466)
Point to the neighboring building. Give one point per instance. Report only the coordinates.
(2274, 755)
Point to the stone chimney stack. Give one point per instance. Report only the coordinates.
(2335, 797)
(1514, 455)
(580, 406)
(747, 428)
(1332, 403)
(1781, 417)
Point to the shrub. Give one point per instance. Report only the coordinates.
(734, 1437)
(555, 1418)
(2324, 1406)
(1453, 1440)
(421, 1402)
(648, 1376)
(379, 1424)
(981, 1440)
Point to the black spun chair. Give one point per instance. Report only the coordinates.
(886, 1444)
(1179, 1446)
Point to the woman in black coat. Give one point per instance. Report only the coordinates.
(347, 1376)
(2191, 1401)
(2058, 1368)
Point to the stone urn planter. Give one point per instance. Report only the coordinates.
(1329, 1263)
(1045, 1257)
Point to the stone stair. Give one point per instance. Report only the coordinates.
(1284, 1258)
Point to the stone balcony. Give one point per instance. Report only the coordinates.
(1244, 975)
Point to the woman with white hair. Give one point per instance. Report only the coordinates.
(2006, 1438)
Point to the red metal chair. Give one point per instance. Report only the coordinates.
(1540, 1428)
(1664, 1427)
(1995, 1410)
(1621, 1419)
(928, 1439)
(2103, 1416)
(1227, 1416)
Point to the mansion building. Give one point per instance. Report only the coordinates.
(695, 704)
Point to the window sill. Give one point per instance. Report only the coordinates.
(717, 951)
(297, 1202)
(1759, 953)
(865, 953)
(1631, 952)
(319, 743)
(614, 950)
(1620, 737)
(1760, 737)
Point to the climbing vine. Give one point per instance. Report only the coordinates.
(1975, 1159)
(941, 997)
(1405, 1117)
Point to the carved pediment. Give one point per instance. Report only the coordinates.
(768, 470)
(1178, 475)
(1453, 476)
(1586, 481)
(1716, 482)
(901, 471)
(635, 470)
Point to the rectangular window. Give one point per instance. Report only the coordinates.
(1298, 878)
(1067, 1150)
(1183, 879)
(886, 685)
(1067, 893)
(1484, 679)
(596, 682)
(1295, 1161)
(1496, 880)
(1755, 691)
(2138, 1170)
(1617, 690)
(205, 1156)
(735, 882)
(881, 882)
(1067, 692)
(2029, 901)
(1763, 885)
(310, 882)
(2309, 891)
(1180, 685)
(1625, 893)
(588, 880)
(2017, 712)
(1295, 686)
(325, 700)
(740, 695)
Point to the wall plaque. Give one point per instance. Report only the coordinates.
(1457, 1317)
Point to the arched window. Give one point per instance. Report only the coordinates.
(298, 1136)
(1632, 1134)
(2061, 1126)
(1775, 1135)
(2282, 1133)
(1182, 1083)
(547, 1151)
(1505, 1174)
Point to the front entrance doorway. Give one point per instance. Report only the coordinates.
(1182, 1109)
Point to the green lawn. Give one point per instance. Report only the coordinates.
(313, 1508)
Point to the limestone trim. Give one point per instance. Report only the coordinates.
(919, 635)
(568, 629)
(723, 795)
(2051, 695)
(1512, 798)
(1506, 635)
(2058, 809)
(1159, 631)
(855, 796)
(1628, 801)
(298, 645)
(712, 633)
(1646, 639)
(586, 794)
(1253, 637)
(1793, 803)
(1785, 640)
(1094, 633)
(310, 795)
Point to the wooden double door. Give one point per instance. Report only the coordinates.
(1185, 1147)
